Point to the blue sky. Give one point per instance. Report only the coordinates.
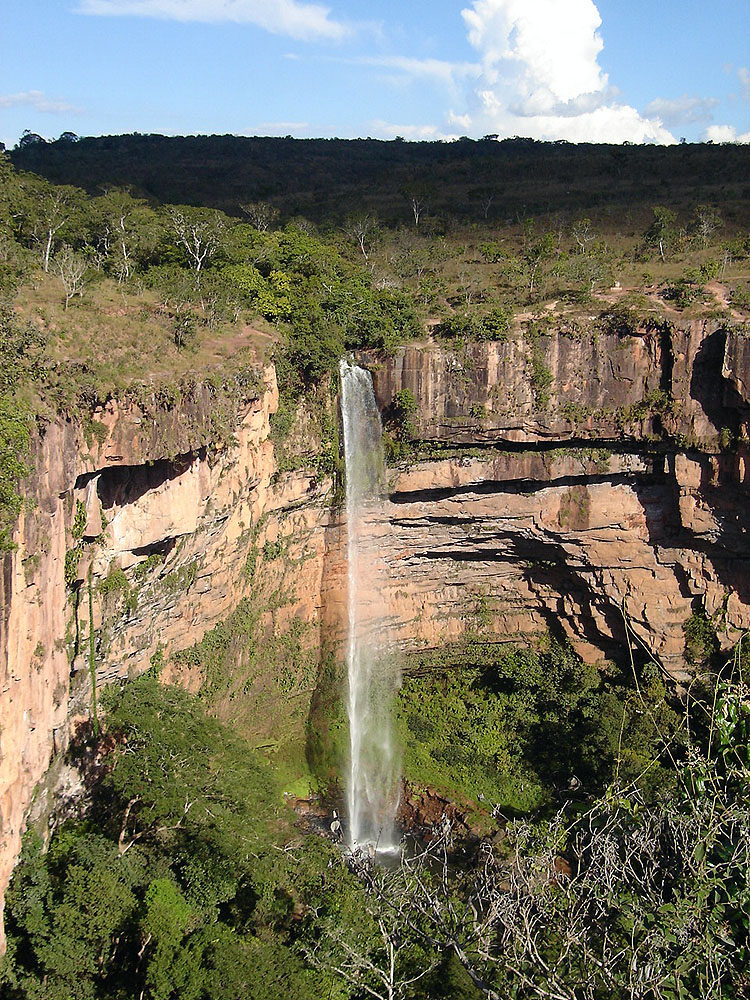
(550, 69)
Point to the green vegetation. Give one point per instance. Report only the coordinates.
(513, 725)
(258, 670)
(19, 360)
(174, 886)
(182, 578)
(92, 656)
(184, 880)
(399, 426)
(150, 563)
(118, 595)
(629, 897)
(73, 555)
(621, 320)
(479, 182)
(540, 376)
(493, 322)
(701, 644)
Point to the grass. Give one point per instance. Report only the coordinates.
(114, 336)
(467, 282)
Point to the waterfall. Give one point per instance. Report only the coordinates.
(372, 786)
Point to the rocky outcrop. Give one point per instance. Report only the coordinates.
(620, 494)
(736, 365)
(167, 514)
(550, 388)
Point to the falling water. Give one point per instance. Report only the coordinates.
(372, 791)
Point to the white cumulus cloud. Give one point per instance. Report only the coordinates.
(541, 76)
(744, 76)
(681, 110)
(726, 133)
(304, 21)
(37, 100)
(548, 47)
(426, 133)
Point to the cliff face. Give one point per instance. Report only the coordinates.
(183, 527)
(557, 483)
(589, 480)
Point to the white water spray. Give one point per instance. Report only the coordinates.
(372, 788)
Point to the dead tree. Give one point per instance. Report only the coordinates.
(71, 269)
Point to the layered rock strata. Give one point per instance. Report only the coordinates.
(618, 495)
(166, 520)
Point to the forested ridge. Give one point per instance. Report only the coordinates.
(325, 179)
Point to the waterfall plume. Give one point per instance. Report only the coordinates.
(372, 780)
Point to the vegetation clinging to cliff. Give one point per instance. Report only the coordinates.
(19, 363)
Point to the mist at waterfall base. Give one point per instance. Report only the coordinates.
(372, 787)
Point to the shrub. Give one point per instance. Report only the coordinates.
(701, 644)
(620, 320)
(684, 291)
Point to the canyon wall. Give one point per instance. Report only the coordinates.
(563, 483)
(572, 484)
(173, 524)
